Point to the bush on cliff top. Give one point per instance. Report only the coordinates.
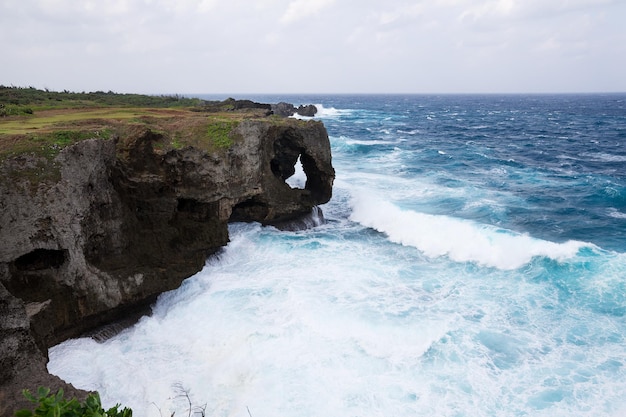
(46, 99)
(54, 405)
(219, 132)
(11, 110)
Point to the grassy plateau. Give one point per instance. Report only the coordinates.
(42, 122)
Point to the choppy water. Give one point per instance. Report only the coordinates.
(473, 263)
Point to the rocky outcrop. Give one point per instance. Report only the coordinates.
(288, 109)
(22, 364)
(309, 110)
(230, 104)
(279, 109)
(95, 234)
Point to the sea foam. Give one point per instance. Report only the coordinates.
(460, 240)
(324, 112)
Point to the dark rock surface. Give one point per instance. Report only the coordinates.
(230, 104)
(309, 110)
(97, 233)
(287, 109)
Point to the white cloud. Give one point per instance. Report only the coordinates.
(512, 10)
(300, 9)
(206, 5)
(489, 9)
(314, 45)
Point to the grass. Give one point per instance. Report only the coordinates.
(219, 132)
(61, 119)
(45, 133)
(51, 118)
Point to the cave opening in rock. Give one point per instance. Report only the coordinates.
(298, 178)
(188, 205)
(289, 161)
(249, 210)
(41, 259)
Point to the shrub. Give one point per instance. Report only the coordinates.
(219, 132)
(54, 405)
(13, 110)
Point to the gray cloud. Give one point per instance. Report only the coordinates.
(317, 46)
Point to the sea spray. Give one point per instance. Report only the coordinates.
(460, 240)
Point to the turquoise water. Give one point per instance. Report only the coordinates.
(472, 263)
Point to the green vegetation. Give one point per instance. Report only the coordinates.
(48, 143)
(61, 138)
(54, 405)
(35, 99)
(41, 123)
(219, 132)
(12, 110)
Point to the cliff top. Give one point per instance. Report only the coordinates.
(43, 122)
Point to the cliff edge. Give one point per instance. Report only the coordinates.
(96, 231)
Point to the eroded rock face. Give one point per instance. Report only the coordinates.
(112, 224)
(22, 364)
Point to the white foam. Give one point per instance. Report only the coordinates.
(493, 205)
(616, 214)
(459, 240)
(298, 179)
(336, 322)
(370, 142)
(324, 112)
(409, 132)
(255, 329)
(604, 157)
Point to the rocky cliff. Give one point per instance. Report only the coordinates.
(96, 233)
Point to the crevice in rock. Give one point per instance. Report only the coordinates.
(249, 210)
(41, 259)
(194, 209)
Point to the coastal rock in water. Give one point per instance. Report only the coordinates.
(308, 110)
(287, 110)
(95, 234)
(283, 109)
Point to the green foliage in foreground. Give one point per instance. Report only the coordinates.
(54, 405)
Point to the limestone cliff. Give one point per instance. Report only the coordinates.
(96, 233)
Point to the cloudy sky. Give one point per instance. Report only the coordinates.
(314, 46)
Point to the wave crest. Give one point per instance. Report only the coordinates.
(328, 112)
(460, 240)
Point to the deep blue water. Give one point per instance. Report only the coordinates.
(472, 264)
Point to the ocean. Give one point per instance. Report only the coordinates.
(472, 262)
